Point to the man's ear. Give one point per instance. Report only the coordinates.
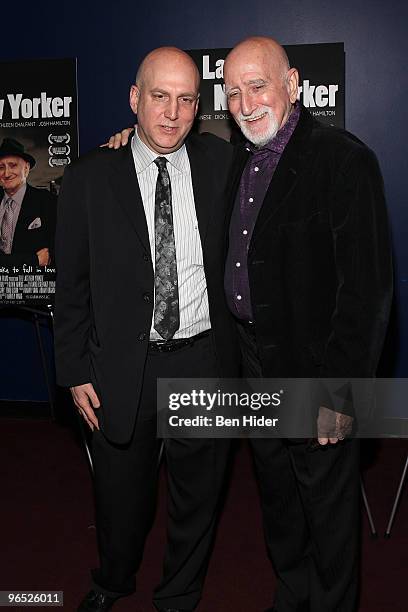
(292, 80)
(134, 98)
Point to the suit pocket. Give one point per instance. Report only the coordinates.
(317, 221)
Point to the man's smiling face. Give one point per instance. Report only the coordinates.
(13, 173)
(261, 89)
(166, 100)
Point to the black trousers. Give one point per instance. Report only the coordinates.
(125, 490)
(310, 506)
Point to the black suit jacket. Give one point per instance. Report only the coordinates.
(36, 204)
(319, 261)
(105, 282)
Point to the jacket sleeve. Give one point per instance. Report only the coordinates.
(72, 300)
(362, 252)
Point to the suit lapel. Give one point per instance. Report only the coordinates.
(240, 157)
(202, 179)
(28, 212)
(126, 187)
(24, 215)
(285, 176)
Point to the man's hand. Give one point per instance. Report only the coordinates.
(120, 139)
(332, 426)
(43, 257)
(86, 401)
(325, 441)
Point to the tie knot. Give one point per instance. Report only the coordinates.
(9, 204)
(161, 163)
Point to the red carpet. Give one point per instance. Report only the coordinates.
(48, 537)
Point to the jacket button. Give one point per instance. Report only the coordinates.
(146, 297)
(146, 257)
(141, 337)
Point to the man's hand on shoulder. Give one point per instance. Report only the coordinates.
(86, 401)
(120, 139)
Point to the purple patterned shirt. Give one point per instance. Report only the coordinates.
(254, 184)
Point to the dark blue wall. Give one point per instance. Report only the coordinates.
(109, 40)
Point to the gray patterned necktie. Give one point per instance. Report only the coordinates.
(166, 307)
(6, 231)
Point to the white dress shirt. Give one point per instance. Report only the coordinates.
(192, 286)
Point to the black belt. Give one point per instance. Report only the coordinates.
(166, 346)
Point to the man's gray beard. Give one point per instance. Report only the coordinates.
(259, 140)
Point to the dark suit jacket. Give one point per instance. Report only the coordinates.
(37, 203)
(105, 282)
(319, 261)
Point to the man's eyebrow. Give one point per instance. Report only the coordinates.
(248, 82)
(255, 82)
(193, 94)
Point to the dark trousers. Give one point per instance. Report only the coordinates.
(125, 489)
(310, 505)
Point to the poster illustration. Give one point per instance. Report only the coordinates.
(38, 139)
(321, 85)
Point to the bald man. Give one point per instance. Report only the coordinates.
(140, 296)
(308, 279)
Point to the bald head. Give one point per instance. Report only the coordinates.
(165, 98)
(167, 55)
(261, 88)
(263, 49)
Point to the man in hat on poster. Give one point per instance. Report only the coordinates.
(26, 213)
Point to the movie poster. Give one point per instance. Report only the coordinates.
(38, 138)
(321, 85)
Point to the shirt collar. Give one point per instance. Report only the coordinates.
(281, 139)
(144, 156)
(18, 196)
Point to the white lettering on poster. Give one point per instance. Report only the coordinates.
(43, 107)
(220, 99)
(218, 73)
(318, 95)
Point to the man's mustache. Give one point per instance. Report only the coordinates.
(257, 115)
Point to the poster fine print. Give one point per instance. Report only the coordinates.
(38, 139)
(321, 85)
